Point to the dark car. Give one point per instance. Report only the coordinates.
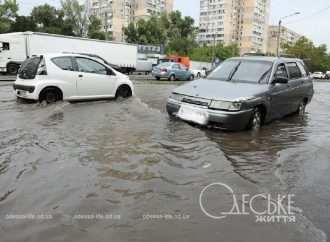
(244, 92)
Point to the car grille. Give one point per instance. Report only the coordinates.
(196, 101)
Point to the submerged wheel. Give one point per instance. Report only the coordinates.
(198, 75)
(157, 78)
(124, 92)
(256, 120)
(301, 108)
(50, 95)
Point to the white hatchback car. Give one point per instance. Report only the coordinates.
(71, 77)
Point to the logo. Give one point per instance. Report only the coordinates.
(265, 207)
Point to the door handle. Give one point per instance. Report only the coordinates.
(80, 75)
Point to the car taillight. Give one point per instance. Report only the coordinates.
(42, 70)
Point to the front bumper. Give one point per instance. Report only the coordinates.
(232, 121)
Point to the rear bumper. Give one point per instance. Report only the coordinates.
(25, 91)
(231, 121)
(161, 74)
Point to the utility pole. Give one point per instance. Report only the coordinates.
(279, 32)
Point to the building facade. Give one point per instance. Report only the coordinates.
(287, 37)
(243, 22)
(117, 14)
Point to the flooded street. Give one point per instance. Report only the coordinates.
(142, 173)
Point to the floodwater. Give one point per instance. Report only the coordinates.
(123, 171)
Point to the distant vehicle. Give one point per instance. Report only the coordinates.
(318, 75)
(16, 47)
(244, 93)
(327, 75)
(71, 77)
(200, 69)
(144, 66)
(172, 71)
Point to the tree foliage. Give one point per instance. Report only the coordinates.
(75, 14)
(209, 53)
(95, 29)
(316, 57)
(177, 33)
(8, 13)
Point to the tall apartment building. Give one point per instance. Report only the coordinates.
(287, 36)
(244, 22)
(116, 14)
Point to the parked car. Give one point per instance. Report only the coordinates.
(318, 75)
(327, 75)
(244, 93)
(72, 77)
(172, 71)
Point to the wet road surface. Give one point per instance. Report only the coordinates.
(123, 171)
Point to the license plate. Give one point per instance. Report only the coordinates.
(21, 93)
(193, 114)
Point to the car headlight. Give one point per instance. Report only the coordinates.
(177, 97)
(225, 105)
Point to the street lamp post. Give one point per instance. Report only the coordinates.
(279, 31)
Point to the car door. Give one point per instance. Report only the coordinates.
(185, 73)
(177, 71)
(296, 80)
(94, 79)
(66, 75)
(279, 93)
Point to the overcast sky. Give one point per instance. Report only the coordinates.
(313, 21)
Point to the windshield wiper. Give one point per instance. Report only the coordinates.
(233, 72)
(264, 75)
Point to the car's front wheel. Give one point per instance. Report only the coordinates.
(301, 108)
(124, 91)
(256, 119)
(191, 78)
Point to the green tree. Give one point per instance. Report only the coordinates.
(95, 29)
(8, 13)
(23, 23)
(75, 14)
(315, 57)
(208, 53)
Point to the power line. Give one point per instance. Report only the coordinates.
(309, 16)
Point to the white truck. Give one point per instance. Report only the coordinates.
(199, 69)
(16, 47)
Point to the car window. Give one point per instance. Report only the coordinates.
(223, 71)
(302, 69)
(294, 70)
(90, 66)
(281, 71)
(65, 63)
(176, 66)
(29, 68)
(183, 67)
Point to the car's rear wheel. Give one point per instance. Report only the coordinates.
(256, 119)
(124, 91)
(12, 69)
(172, 78)
(50, 95)
(191, 78)
(157, 78)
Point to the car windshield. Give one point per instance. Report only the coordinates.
(242, 71)
(166, 64)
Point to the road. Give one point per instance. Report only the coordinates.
(122, 170)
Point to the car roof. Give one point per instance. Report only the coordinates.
(267, 59)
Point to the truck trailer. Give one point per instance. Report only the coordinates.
(16, 47)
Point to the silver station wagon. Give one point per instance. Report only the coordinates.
(244, 93)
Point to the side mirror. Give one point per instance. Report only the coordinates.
(281, 80)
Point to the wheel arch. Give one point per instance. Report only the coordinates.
(125, 85)
(43, 90)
